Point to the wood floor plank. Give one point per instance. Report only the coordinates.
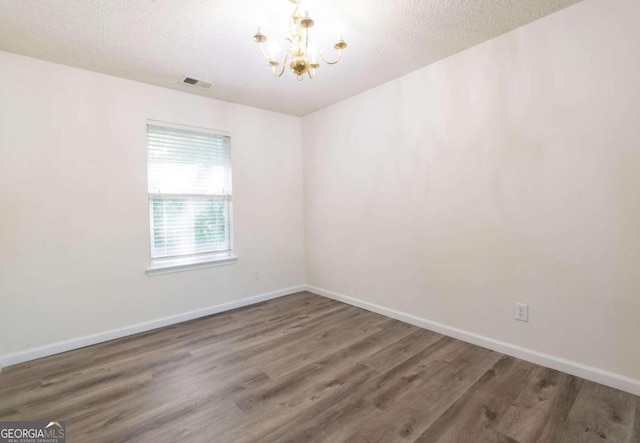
(274, 325)
(475, 415)
(543, 406)
(273, 336)
(144, 406)
(600, 413)
(304, 368)
(282, 418)
(414, 412)
(65, 405)
(312, 381)
(635, 434)
(402, 383)
(264, 351)
(90, 379)
(397, 353)
(324, 420)
(294, 356)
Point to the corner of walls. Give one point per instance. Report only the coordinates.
(305, 218)
(303, 197)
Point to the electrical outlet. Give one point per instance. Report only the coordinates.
(521, 312)
(255, 274)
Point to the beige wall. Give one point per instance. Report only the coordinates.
(74, 235)
(509, 172)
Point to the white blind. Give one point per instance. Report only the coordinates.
(189, 191)
(188, 162)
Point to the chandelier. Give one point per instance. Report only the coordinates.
(301, 50)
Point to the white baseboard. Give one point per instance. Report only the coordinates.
(601, 376)
(88, 340)
(607, 378)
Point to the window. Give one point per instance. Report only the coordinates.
(189, 171)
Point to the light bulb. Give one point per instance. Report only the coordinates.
(313, 52)
(274, 49)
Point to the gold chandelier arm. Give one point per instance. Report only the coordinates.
(284, 66)
(264, 53)
(333, 62)
(267, 56)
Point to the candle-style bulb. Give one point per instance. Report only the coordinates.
(313, 52)
(274, 50)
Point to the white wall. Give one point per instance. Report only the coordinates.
(74, 235)
(509, 172)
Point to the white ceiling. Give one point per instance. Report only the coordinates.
(160, 41)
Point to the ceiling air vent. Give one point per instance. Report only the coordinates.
(196, 83)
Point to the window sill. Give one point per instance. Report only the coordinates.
(188, 264)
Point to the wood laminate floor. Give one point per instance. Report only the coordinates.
(304, 368)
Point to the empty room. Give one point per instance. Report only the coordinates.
(319, 221)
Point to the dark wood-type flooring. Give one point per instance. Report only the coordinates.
(304, 368)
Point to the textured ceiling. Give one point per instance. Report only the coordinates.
(160, 41)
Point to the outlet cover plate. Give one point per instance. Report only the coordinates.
(521, 312)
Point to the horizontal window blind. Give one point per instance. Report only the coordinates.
(187, 162)
(189, 191)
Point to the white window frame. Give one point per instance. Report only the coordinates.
(166, 265)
